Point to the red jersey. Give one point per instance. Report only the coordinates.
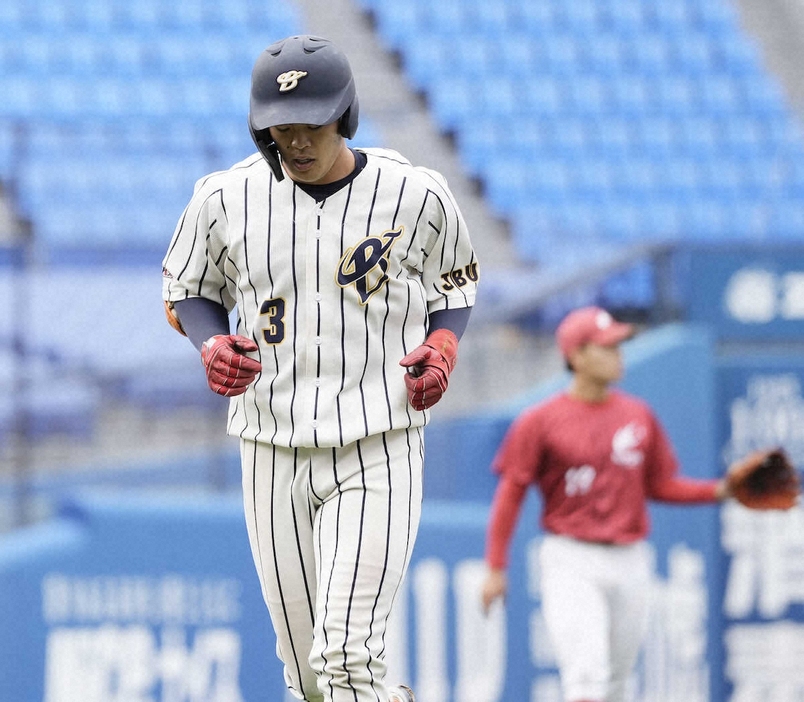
(595, 463)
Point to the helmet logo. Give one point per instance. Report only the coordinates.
(289, 80)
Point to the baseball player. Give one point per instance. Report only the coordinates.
(597, 455)
(353, 277)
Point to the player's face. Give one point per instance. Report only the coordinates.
(600, 364)
(311, 154)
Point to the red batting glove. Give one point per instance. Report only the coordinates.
(429, 366)
(229, 371)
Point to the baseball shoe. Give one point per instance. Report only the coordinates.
(401, 693)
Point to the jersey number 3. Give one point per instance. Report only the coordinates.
(274, 311)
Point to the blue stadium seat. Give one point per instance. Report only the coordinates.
(593, 181)
(580, 220)
(538, 19)
(692, 54)
(443, 19)
(761, 95)
(8, 148)
(611, 136)
(190, 15)
(724, 179)
(139, 15)
(481, 141)
(718, 18)
(570, 138)
(13, 16)
(547, 180)
(649, 54)
(474, 57)
(517, 57)
(452, 100)
(543, 95)
(674, 96)
(61, 224)
(604, 54)
(559, 55)
(736, 54)
(662, 220)
(626, 19)
(500, 98)
(580, 17)
(531, 135)
(94, 15)
(786, 220)
(505, 184)
(680, 178)
(492, 18)
(397, 22)
(37, 55)
(654, 136)
(705, 218)
(50, 16)
(589, 95)
(674, 18)
(698, 136)
(718, 94)
(631, 95)
(636, 180)
(783, 132)
(79, 56)
(621, 221)
(743, 136)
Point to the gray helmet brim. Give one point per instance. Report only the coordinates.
(301, 110)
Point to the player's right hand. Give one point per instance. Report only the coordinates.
(229, 370)
(429, 366)
(495, 586)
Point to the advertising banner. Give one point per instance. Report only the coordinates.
(748, 292)
(127, 599)
(762, 405)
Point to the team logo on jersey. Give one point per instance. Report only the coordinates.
(625, 449)
(366, 265)
(289, 80)
(578, 481)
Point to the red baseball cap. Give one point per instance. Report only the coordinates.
(590, 325)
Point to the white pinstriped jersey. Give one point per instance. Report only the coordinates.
(335, 292)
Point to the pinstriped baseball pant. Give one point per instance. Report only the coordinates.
(331, 533)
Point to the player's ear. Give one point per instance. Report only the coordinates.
(268, 148)
(574, 359)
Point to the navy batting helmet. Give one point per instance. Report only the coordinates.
(300, 80)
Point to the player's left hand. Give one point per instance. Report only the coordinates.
(429, 367)
(229, 370)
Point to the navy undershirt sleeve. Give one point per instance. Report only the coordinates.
(201, 318)
(455, 320)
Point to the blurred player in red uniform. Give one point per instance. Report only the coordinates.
(597, 455)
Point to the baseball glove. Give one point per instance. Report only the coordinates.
(764, 480)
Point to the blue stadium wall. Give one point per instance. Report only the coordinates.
(153, 596)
